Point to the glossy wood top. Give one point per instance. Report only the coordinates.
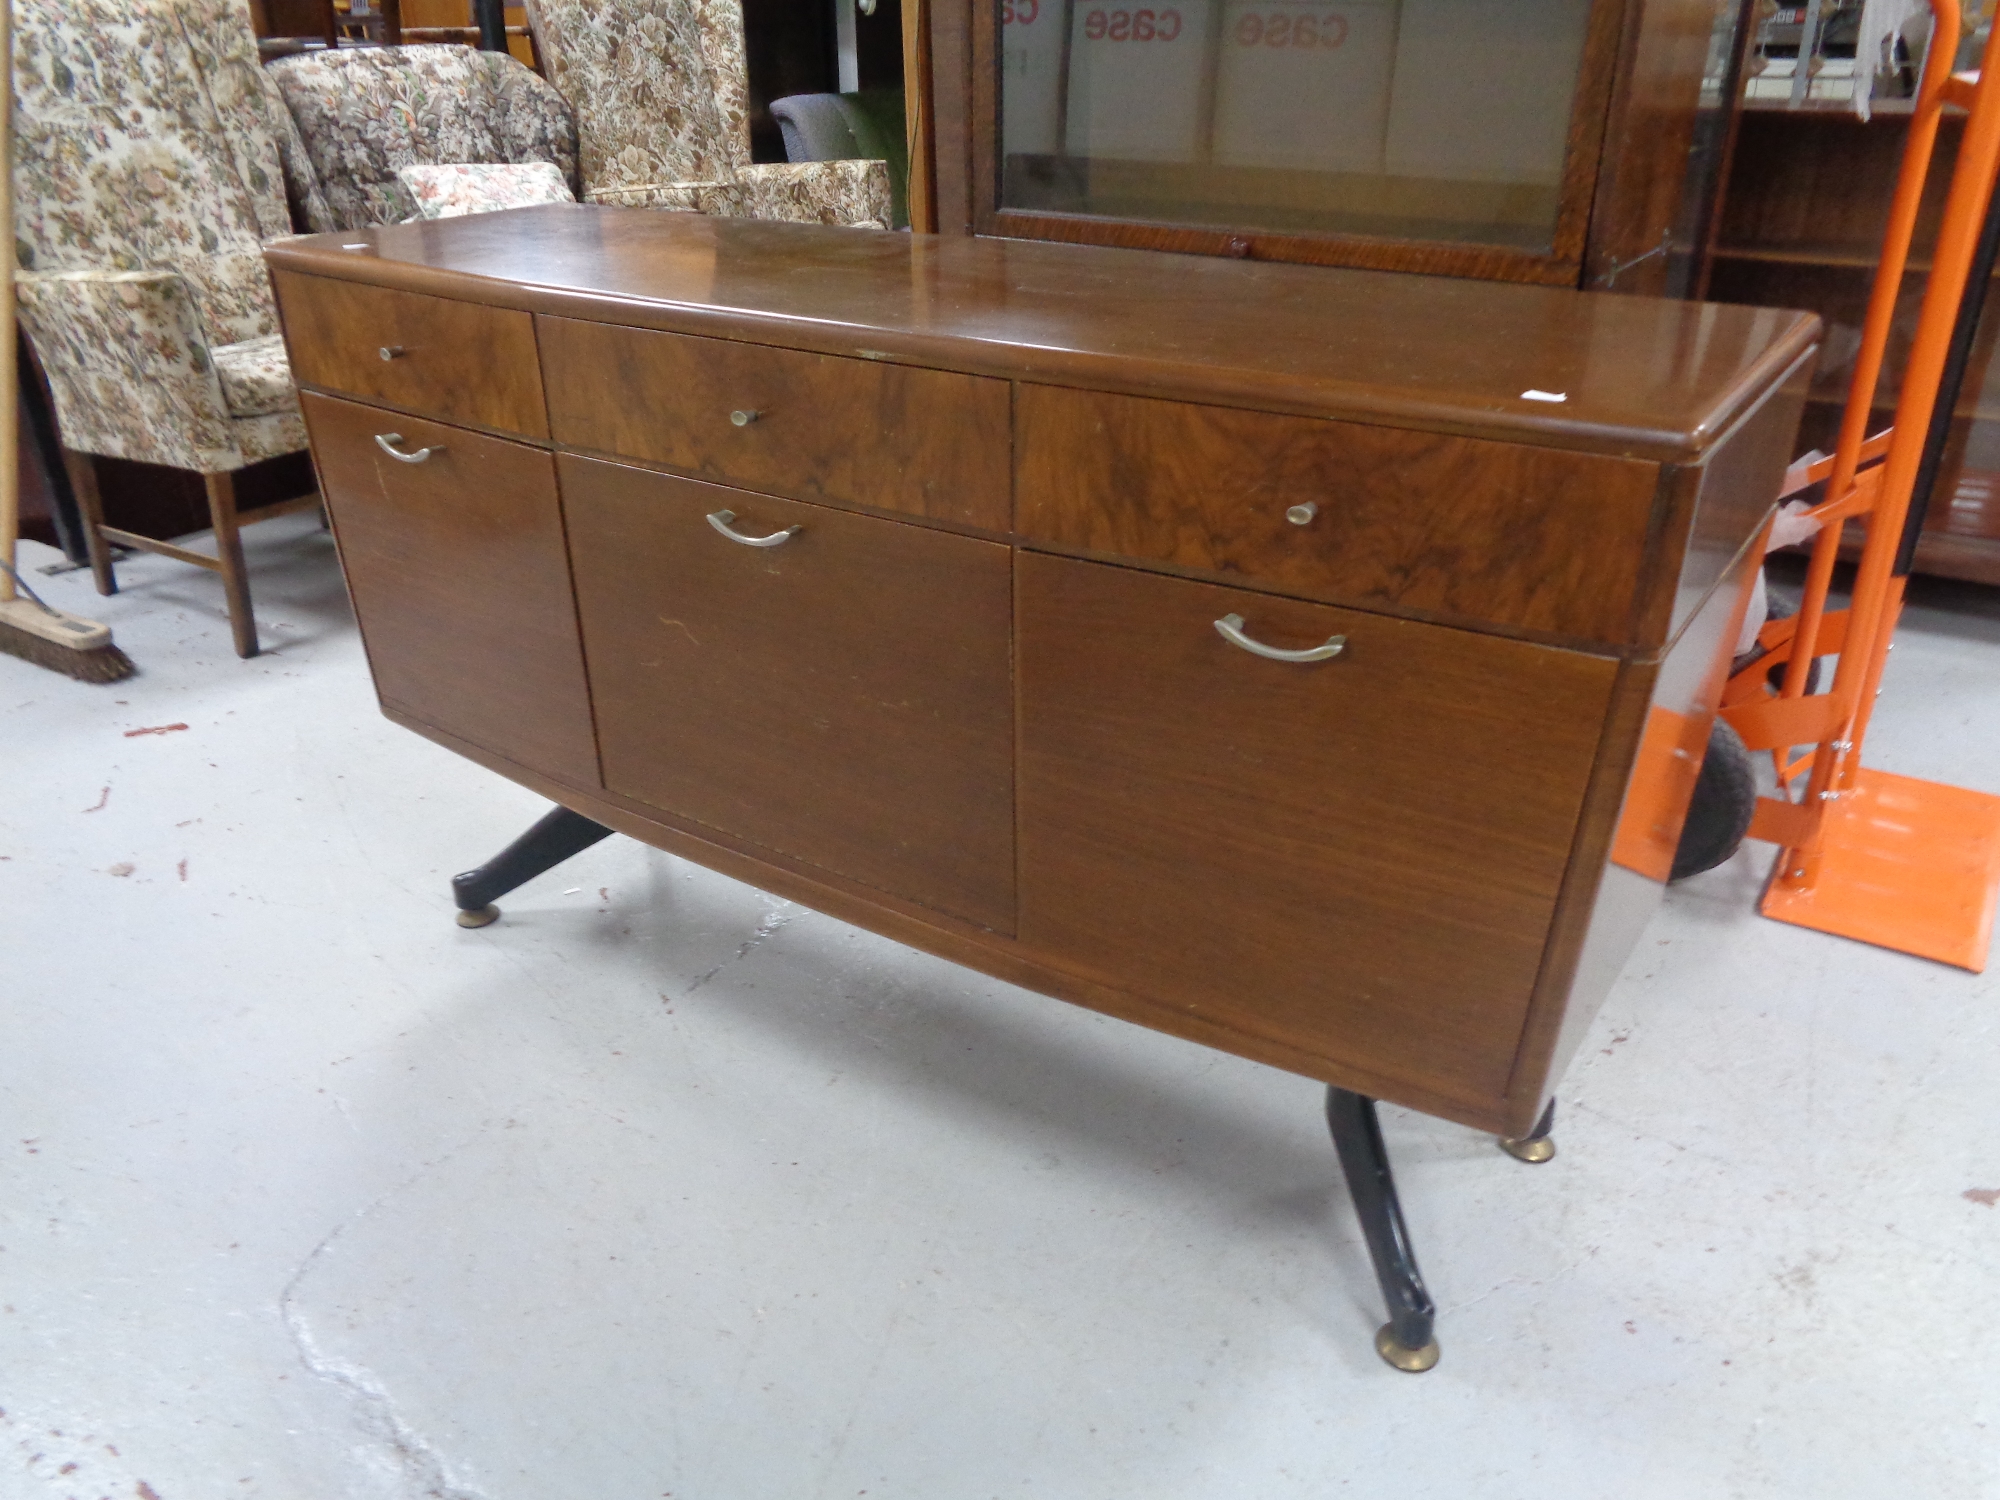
(1640, 377)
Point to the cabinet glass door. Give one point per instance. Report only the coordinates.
(1431, 120)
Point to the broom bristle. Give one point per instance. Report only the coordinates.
(105, 663)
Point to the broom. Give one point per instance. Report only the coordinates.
(30, 629)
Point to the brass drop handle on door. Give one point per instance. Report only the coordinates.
(720, 520)
(387, 441)
(1230, 628)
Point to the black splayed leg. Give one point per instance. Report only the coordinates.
(1535, 1146)
(1405, 1340)
(558, 835)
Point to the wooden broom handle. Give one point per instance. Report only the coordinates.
(10, 401)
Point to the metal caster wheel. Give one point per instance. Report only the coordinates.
(1410, 1361)
(481, 917)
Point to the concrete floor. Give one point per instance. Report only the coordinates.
(664, 1187)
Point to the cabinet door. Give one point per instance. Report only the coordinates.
(1356, 857)
(461, 582)
(842, 697)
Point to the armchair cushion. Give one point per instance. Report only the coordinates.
(256, 377)
(446, 191)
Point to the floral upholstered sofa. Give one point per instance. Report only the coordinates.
(368, 115)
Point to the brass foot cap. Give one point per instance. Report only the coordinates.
(480, 918)
(1413, 1361)
(1533, 1149)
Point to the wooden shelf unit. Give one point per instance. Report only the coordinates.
(1801, 226)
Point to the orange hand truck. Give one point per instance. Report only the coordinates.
(1888, 860)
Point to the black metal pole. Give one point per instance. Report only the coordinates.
(557, 835)
(491, 16)
(1405, 1341)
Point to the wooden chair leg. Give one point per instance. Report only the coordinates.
(83, 480)
(229, 548)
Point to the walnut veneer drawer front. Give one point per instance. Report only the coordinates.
(1359, 856)
(843, 696)
(457, 361)
(924, 442)
(460, 580)
(1464, 528)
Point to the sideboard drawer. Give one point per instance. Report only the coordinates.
(457, 361)
(1358, 856)
(1464, 529)
(460, 579)
(844, 697)
(923, 442)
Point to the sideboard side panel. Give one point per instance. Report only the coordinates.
(1654, 741)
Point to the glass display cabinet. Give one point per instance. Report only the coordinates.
(1551, 141)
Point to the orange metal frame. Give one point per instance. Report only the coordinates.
(1903, 864)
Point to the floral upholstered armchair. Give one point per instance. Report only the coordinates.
(147, 177)
(663, 117)
(368, 115)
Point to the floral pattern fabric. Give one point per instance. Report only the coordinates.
(122, 163)
(660, 90)
(366, 113)
(144, 186)
(256, 377)
(675, 197)
(817, 192)
(252, 116)
(720, 23)
(451, 189)
(641, 65)
(129, 366)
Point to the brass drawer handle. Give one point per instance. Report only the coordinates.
(720, 520)
(1302, 515)
(1230, 627)
(391, 351)
(387, 441)
(743, 418)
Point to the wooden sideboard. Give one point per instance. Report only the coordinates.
(923, 581)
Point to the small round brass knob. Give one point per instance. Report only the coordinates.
(392, 351)
(1301, 515)
(743, 418)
